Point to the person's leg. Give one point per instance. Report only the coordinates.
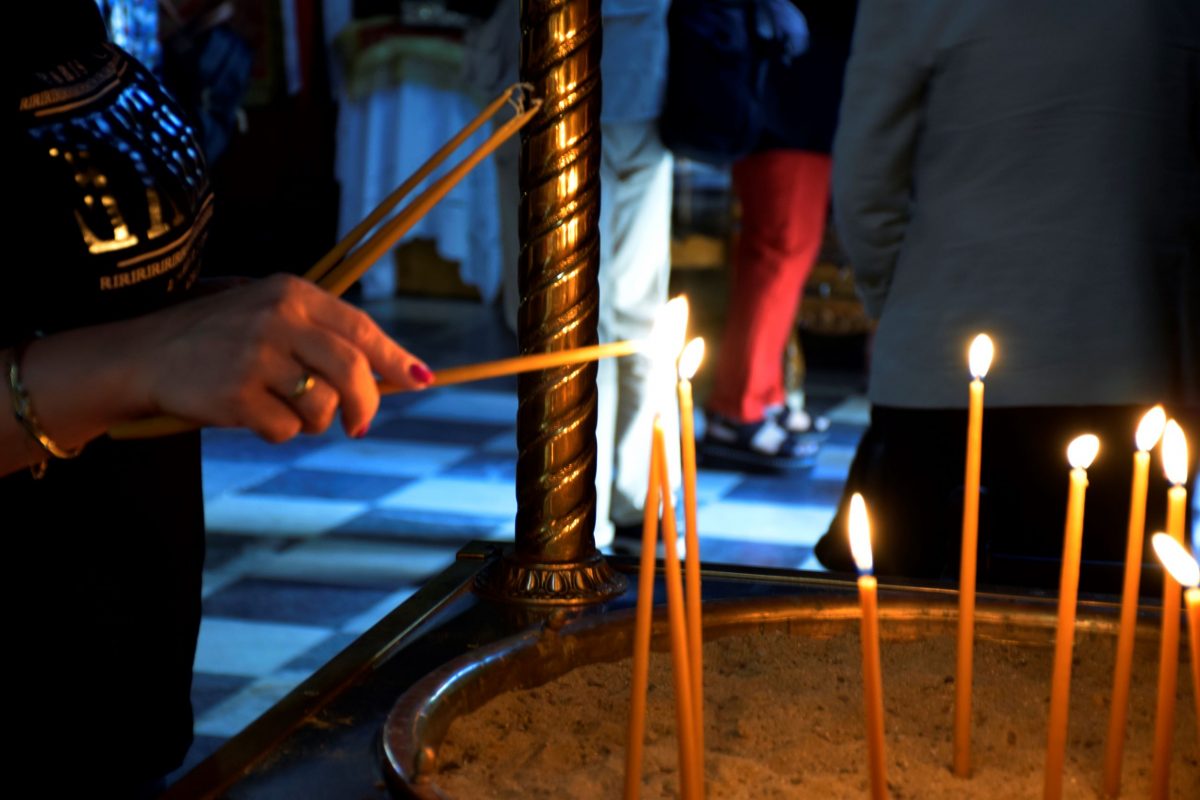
(908, 467)
(784, 195)
(1025, 475)
(635, 224)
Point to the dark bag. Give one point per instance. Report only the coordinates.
(721, 52)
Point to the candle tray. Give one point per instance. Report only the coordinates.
(420, 719)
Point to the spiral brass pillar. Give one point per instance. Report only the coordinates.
(555, 560)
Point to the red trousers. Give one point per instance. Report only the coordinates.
(784, 196)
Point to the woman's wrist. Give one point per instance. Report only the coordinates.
(80, 382)
(26, 414)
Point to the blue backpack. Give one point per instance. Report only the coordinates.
(721, 51)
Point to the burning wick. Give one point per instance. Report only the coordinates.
(689, 362)
(1080, 454)
(666, 340)
(860, 548)
(1186, 572)
(979, 360)
(1149, 431)
(1175, 463)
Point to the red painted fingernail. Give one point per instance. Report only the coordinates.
(420, 373)
(361, 432)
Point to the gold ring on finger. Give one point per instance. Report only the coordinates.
(303, 386)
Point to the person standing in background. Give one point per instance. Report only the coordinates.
(105, 320)
(783, 189)
(1034, 174)
(635, 251)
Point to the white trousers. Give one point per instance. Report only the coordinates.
(635, 264)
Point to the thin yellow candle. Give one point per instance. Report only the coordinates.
(1080, 453)
(1191, 601)
(526, 363)
(1186, 572)
(1174, 450)
(513, 95)
(341, 277)
(1148, 433)
(640, 681)
(689, 362)
(690, 765)
(664, 344)
(166, 426)
(860, 547)
(979, 359)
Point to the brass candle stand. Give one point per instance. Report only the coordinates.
(555, 560)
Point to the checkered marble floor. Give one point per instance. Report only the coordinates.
(313, 541)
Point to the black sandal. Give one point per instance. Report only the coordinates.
(756, 446)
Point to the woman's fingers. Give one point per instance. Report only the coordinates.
(240, 358)
(393, 363)
(346, 370)
(311, 397)
(269, 417)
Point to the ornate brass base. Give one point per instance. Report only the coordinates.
(514, 580)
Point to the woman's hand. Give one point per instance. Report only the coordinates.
(239, 358)
(242, 359)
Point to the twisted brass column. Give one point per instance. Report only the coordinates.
(555, 558)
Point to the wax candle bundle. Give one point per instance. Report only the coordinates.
(690, 767)
(345, 263)
(326, 272)
(683, 618)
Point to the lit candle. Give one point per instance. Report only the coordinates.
(689, 362)
(665, 342)
(1148, 433)
(690, 762)
(979, 359)
(860, 547)
(1191, 599)
(1081, 452)
(1174, 450)
(640, 682)
(1186, 572)
(166, 426)
(529, 362)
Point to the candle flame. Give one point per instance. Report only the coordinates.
(860, 534)
(689, 362)
(1175, 454)
(663, 346)
(1082, 450)
(979, 357)
(1178, 561)
(1150, 429)
(670, 329)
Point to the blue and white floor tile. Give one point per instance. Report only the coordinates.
(312, 542)
(251, 649)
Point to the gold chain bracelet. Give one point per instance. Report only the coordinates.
(22, 407)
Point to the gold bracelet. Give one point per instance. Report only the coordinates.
(22, 408)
